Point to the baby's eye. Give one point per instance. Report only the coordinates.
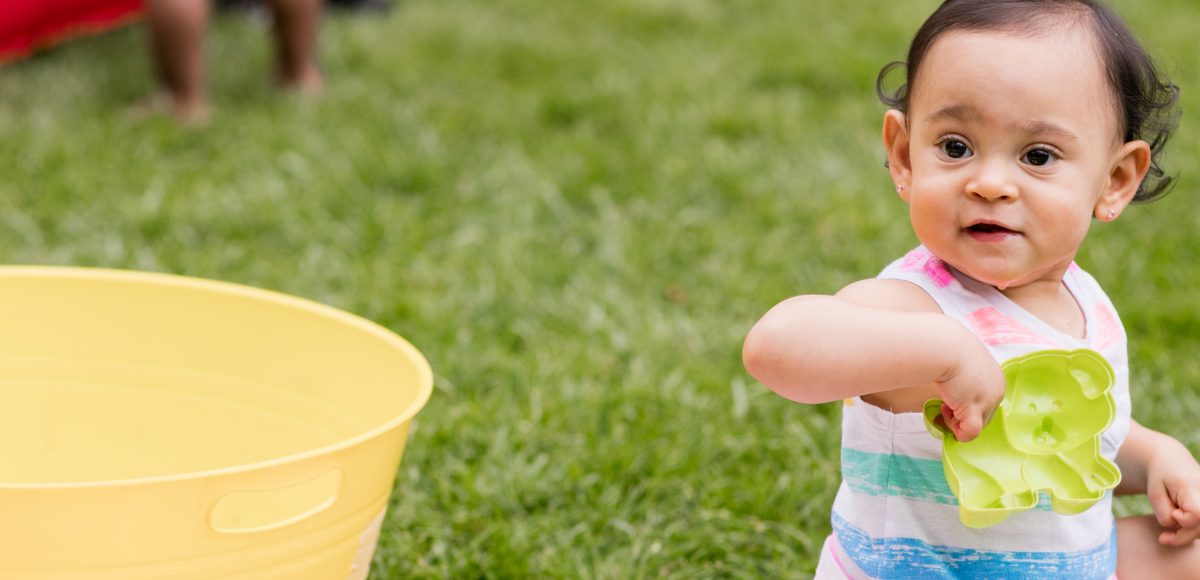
(954, 148)
(1039, 157)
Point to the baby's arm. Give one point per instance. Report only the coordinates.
(874, 336)
(1162, 468)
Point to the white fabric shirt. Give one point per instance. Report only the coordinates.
(894, 515)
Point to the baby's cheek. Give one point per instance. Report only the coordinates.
(932, 221)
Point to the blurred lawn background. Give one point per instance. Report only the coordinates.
(575, 210)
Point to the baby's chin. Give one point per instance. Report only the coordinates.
(1000, 278)
(1004, 281)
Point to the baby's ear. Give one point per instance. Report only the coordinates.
(895, 143)
(1129, 168)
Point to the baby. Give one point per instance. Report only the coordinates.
(1020, 122)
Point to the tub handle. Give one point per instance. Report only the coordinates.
(246, 512)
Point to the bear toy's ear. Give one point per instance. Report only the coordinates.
(934, 421)
(1092, 373)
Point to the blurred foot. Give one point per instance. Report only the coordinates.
(192, 114)
(308, 82)
(195, 113)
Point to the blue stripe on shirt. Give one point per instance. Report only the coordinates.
(913, 558)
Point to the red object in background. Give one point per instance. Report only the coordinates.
(26, 25)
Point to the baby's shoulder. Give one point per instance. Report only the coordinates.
(889, 294)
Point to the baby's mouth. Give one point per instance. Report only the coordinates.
(989, 229)
(985, 232)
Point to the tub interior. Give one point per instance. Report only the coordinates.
(108, 376)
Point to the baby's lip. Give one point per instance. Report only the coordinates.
(989, 226)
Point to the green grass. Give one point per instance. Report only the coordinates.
(575, 210)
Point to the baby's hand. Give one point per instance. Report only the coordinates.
(971, 393)
(1173, 486)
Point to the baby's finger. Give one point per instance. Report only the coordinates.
(969, 426)
(1160, 500)
(1179, 538)
(948, 413)
(1187, 514)
(951, 423)
(1185, 519)
(948, 418)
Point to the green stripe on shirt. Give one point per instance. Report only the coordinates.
(896, 475)
(902, 476)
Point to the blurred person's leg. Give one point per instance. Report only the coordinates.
(177, 30)
(297, 24)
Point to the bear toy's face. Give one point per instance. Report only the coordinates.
(1056, 404)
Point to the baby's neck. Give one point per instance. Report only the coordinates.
(1052, 302)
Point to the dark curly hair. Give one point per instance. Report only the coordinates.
(1145, 98)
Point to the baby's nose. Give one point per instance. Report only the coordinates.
(992, 183)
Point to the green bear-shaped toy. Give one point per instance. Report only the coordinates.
(1045, 436)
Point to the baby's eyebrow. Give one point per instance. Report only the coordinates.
(962, 113)
(1037, 127)
(1049, 129)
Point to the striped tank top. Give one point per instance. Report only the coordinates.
(894, 515)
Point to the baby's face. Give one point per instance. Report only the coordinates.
(1011, 143)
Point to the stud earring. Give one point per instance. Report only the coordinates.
(1112, 214)
(899, 189)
